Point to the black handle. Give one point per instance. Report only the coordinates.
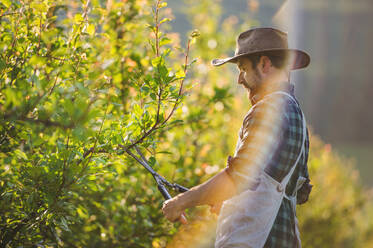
(179, 188)
(167, 196)
(164, 192)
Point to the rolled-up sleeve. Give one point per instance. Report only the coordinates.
(259, 137)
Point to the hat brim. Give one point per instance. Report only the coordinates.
(300, 60)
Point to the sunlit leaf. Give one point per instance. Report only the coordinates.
(7, 3)
(164, 41)
(39, 5)
(91, 29)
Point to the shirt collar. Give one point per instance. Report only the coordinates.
(284, 86)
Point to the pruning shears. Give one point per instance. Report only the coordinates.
(162, 183)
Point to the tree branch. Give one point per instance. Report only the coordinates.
(157, 125)
(45, 122)
(90, 153)
(9, 13)
(157, 28)
(181, 85)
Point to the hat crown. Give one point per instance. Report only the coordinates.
(260, 39)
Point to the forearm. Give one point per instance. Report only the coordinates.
(215, 190)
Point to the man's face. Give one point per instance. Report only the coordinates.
(250, 78)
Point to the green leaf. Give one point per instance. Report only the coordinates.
(78, 18)
(163, 71)
(37, 60)
(137, 110)
(162, 5)
(152, 161)
(195, 33)
(81, 212)
(180, 74)
(2, 64)
(153, 96)
(80, 133)
(165, 152)
(164, 41)
(176, 122)
(12, 97)
(166, 52)
(7, 3)
(164, 20)
(64, 224)
(157, 61)
(91, 29)
(39, 6)
(20, 154)
(145, 89)
(61, 51)
(192, 62)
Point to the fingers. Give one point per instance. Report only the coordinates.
(183, 219)
(167, 211)
(229, 160)
(172, 213)
(216, 208)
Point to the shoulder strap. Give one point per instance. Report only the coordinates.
(287, 177)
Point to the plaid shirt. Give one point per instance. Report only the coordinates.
(271, 138)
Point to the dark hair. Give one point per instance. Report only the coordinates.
(278, 58)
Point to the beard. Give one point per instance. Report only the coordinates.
(255, 83)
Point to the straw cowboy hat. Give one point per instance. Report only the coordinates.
(259, 40)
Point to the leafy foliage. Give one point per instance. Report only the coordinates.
(79, 86)
(339, 213)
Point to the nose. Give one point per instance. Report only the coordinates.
(241, 78)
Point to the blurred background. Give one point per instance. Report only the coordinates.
(336, 89)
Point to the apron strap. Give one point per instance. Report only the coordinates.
(287, 177)
(301, 180)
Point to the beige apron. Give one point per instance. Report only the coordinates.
(246, 220)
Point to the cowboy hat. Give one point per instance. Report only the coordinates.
(262, 40)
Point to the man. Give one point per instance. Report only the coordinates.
(259, 186)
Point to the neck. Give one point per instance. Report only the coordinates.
(279, 83)
(276, 77)
(277, 80)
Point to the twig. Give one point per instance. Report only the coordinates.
(63, 173)
(40, 26)
(155, 125)
(52, 57)
(177, 102)
(91, 152)
(45, 122)
(12, 46)
(54, 84)
(157, 28)
(9, 13)
(181, 84)
(85, 13)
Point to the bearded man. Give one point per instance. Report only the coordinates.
(256, 194)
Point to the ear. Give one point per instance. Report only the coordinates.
(265, 64)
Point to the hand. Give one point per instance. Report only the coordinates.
(173, 211)
(229, 161)
(215, 208)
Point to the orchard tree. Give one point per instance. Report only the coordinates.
(81, 84)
